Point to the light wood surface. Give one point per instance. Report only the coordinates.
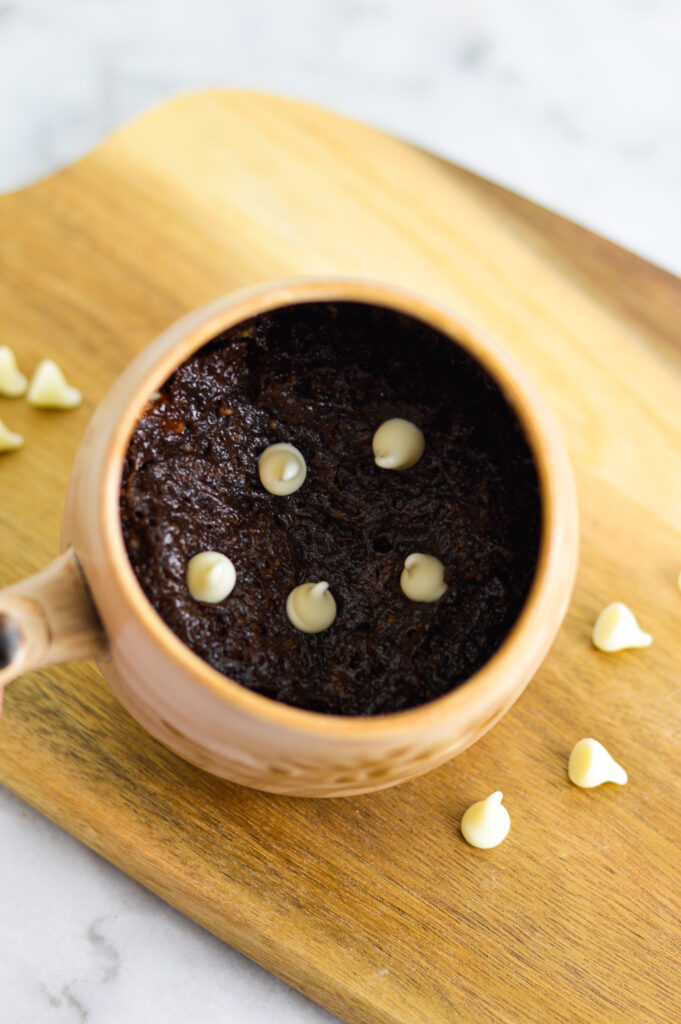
(373, 905)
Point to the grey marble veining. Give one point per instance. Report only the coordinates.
(576, 105)
(79, 941)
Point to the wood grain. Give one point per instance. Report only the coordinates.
(374, 906)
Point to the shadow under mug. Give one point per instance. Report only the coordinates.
(88, 603)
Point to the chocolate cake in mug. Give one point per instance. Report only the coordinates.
(323, 377)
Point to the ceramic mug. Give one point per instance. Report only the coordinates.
(88, 602)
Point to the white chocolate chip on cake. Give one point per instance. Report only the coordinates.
(422, 578)
(591, 765)
(486, 824)
(616, 629)
(282, 469)
(9, 441)
(311, 607)
(398, 444)
(210, 576)
(49, 388)
(12, 381)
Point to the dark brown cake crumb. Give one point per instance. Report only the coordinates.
(324, 377)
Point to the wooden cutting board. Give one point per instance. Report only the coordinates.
(374, 906)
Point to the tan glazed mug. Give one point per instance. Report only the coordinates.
(88, 603)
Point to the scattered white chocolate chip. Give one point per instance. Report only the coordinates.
(486, 823)
(398, 444)
(311, 607)
(282, 469)
(678, 581)
(616, 629)
(49, 388)
(422, 578)
(210, 576)
(9, 441)
(591, 765)
(12, 381)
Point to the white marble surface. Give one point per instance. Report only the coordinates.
(575, 104)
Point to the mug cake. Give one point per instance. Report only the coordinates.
(335, 453)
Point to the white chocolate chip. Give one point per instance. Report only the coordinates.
(591, 765)
(9, 441)
(210, 576)
(486, 823)
(12, 381)
(678, 581)
(616, 629)
(282, 469)
(311, 607)
(422, 578)
(49, 388)
(398, 444)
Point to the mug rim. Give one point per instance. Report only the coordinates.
(493, 684)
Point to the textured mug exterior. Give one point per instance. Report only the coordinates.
(242, 736)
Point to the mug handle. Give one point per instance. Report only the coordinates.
(47, 619)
